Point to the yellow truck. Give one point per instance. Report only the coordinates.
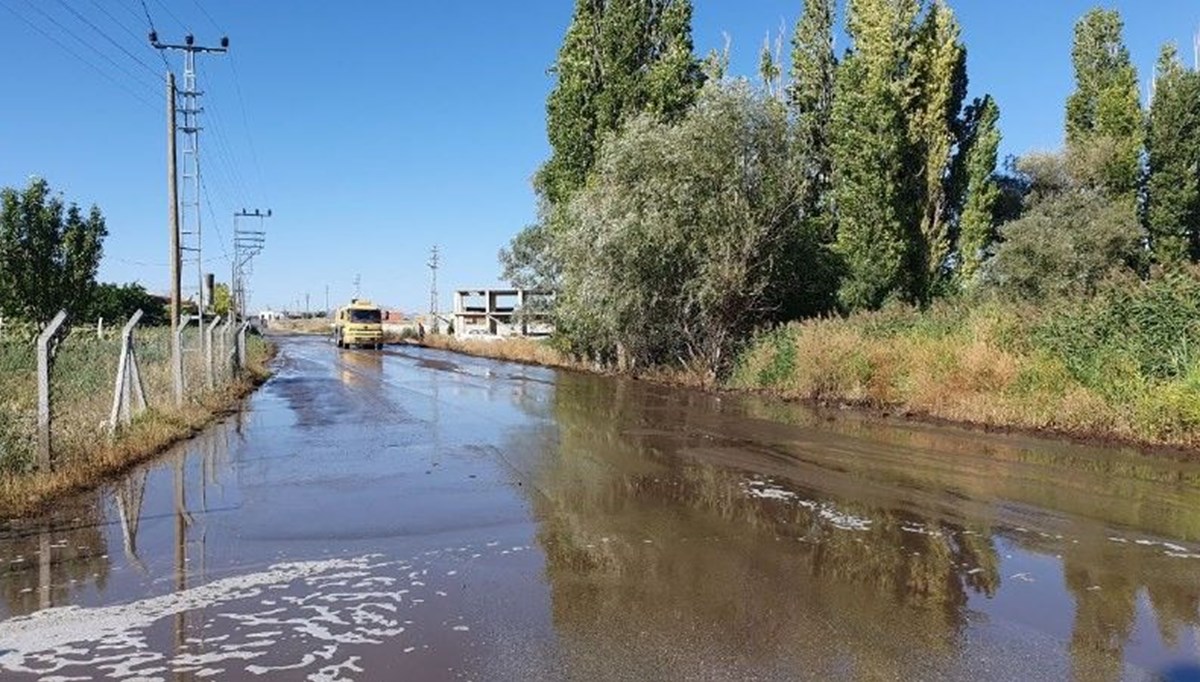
(358, 324)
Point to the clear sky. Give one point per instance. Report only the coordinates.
(375, 129)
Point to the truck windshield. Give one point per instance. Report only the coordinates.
(364, 316)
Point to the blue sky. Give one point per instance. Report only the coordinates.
(376, 129)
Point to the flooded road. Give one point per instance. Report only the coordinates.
(412, 514)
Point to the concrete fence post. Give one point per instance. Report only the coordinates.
(226, 336)
(241, 345)
(129, 396)
(209, 379)
(177, 361)
(43, 405)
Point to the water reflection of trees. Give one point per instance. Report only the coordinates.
(776, 577)
(55, 558)
(633, 462)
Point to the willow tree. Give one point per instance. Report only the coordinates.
(675, 249)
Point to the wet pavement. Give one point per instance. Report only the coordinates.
(410, 514)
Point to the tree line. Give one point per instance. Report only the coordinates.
(50, 252)
(681, 208)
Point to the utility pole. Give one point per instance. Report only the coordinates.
(190, 232)
(326, 300)
(247, 244)
(306, 306)
(173, 227)
(434, 260)
(173, 204)
(358, 286)
(1196, 51)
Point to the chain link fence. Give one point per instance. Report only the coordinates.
(91, 390)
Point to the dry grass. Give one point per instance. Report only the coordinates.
(543, 354)
(523, 350)
(971, 365)
(84, 455)
(314, 326)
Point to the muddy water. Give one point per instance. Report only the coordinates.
(416, 515)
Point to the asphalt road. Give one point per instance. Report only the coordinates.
(410, 514)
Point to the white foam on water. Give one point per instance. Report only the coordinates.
(333, 673)
(322, 607)
(768, 490)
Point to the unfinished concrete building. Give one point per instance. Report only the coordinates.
(502, 312)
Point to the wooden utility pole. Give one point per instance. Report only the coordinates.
(173, 203)
(176, 264)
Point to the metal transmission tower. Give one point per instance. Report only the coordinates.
(190, 236)
(246, 245)
(434, 261)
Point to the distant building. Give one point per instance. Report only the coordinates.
(503, 312)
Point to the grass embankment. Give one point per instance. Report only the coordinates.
(1124, 365)
(81, 387)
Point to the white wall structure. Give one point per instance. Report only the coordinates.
(502, 312)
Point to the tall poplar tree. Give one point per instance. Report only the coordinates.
(572, 119)
(1173, 144)
(1104, 115)
(619, 58)
(675, 75)
(977, 223)
(810, 95)
(875, 190)
(940, 79)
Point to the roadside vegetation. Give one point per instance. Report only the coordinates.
(50, 252)
(82, 387)
(526, 351)
(841, 228)
(1121, 364)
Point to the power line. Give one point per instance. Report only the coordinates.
(216, 223)
(208, 16)
(109, 38)
(225, 155)
(151, 86)
(139, 97)
(246, 127)
(237, 84)
(118, 22)
(150, 20)
(170, 14)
